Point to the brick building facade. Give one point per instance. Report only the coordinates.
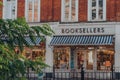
(84, 30)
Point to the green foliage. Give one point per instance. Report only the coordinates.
(12, 33)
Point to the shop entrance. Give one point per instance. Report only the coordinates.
(94, 59)
(84, 58)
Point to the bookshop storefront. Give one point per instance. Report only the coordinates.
(91, 47)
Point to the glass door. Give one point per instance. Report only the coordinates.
(90, 59)
(79, 59)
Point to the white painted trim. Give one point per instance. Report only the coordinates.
(3, 9)
(16, 8)
(26, 10)
(89, 10)
(62, 10)
(97, 9)
(39, 2)
(33, 2)
(70, 11)
(77, 10)
(104, 10)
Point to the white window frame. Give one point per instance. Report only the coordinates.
(26, 10)
(4, 3)
(63, 12)
(90, 11)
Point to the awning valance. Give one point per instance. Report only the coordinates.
(37, 40)
(82, 40)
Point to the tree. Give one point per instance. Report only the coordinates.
(12, 33)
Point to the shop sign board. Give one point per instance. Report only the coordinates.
(91, 30)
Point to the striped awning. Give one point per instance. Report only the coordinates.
(82, 40)
(37, 41)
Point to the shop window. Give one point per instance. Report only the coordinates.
(80, 59)
(10, 9)
(34, 53)
(96, 10)
(105, 60)
(61, 57)
(32, 10)
(69, 10)
(90, 60)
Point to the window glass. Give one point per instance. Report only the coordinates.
(61, 57)
(100, 9)
(97, 10)
(32, 12)
(90, 59)
(105, 59)
(73, 10)
(69, 10)
(9, 10)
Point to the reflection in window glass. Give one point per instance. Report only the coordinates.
(67, 11)
(10, 11)
(94, 14)
(93, 3)
(97, 12)
(32, 12)
(70, 10)
(105, 59)
(61, 57)
(100, 9)
(89, 58)
(73, 10)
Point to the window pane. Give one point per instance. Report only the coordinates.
(105, 59)
(89, 60)
(36, 10)
(67, 12)
(93, 14)
(62, 57)
(93, 3)
(73, 10)
(100, 9)
(93, 9)
(10, 9)
(30, 11)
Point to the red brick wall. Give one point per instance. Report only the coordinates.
(110, 10)
(1, 9)
(82, 15)
(117, 10)
(21, 8)
(46, 10)
(56, 10)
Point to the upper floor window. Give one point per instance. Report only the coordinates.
(69, 10)
(32, 10)
(10, 9)
(96, 10)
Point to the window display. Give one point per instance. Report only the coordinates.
(61, 57)
(80, 59)
(34, 53)
(105, 59)
(90, 60)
